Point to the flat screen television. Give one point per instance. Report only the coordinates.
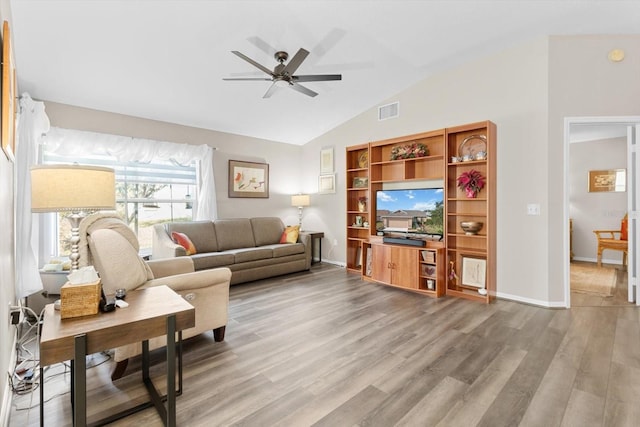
(419, 211)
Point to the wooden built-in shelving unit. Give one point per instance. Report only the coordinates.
(427, 269)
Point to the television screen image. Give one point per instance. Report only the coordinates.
(418, 211)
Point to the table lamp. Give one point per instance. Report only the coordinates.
(300, 200)
(78, 189)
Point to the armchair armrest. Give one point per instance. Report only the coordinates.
(193, 280)
(163, 246)
(607, 234)
(170, 266)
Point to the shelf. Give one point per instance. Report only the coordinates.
(484, 236)
(469, 294)
(358, 170)
(468, 251)
(470, 162)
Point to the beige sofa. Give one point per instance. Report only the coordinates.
(249, 247)
(108, 244)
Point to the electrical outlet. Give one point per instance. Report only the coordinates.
(533, 209)
(14, 317)
(335, 242)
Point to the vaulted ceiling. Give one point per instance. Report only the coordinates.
(165, 60)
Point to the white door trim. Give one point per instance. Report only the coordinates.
(568, 121)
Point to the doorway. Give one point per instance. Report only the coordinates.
(596, 128)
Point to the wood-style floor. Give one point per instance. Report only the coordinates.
(326, 349)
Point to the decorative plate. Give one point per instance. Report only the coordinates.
(363, 159)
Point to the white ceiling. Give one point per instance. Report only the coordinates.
(165, 60)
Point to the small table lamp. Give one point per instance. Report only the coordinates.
(300, 200)
(78, 189)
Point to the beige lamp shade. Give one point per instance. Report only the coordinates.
(72, 188)
(300, 200)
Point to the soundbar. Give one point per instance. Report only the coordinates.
(404, 241)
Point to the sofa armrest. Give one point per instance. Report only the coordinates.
(305, 239)
(163, 246)
(171, 266)
(194, 280)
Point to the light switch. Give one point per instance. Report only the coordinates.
(533, 209)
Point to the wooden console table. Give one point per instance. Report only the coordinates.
(152, 312)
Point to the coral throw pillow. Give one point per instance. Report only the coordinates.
(184, 241)
(624, 230)
(290, 234)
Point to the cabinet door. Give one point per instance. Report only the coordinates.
(381, 263)
(405, 267)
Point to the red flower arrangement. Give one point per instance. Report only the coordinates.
(471, 182)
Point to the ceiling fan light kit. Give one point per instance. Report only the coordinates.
(285, 73)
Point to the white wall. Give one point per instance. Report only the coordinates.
(7, 261)
(598, 210)
(582, 82)
(283, 159)
(527, 91)
(510, 89)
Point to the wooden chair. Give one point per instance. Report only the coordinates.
(615, 240)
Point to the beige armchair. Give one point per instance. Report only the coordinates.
(111, 247)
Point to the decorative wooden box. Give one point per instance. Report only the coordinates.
(80, 300)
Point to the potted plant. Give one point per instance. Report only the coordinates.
(471, 182)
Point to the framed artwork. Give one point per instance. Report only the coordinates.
(326, 161)
(608, 180)
(360, 182)
(8, 95)
(474, 272)
(248, 179)
(327, 184)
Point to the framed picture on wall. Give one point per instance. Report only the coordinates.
(608, 180)
(8, 95)
(327, 184)
(248, 179)
(326, 161)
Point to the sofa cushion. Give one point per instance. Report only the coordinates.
(234, 233)
(184, 241)
(212, 260)
(287, 249)
(251, 254)
(201, 233)
(290, 234)
(267, 230)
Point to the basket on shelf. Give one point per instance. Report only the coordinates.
(470, 149)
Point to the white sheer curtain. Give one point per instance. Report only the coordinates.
(81, 143)
(32, 124)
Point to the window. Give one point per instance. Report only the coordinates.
(146, 194)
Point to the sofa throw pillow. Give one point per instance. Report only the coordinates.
(290, 234)
(184, 241)
(624, 229)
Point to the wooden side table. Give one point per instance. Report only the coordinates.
(152, 312)
(319, 235)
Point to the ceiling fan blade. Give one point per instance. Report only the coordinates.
(317, 78)
(252, 62)
(248, 78)
(302, 89)
(295, 62)
(271, 90)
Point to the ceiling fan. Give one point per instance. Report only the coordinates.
(285, 73)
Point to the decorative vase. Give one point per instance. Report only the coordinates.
(471, 193)
(362, 206)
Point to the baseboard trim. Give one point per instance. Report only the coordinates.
(7, 401)
(531, 301)
(337, 263)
